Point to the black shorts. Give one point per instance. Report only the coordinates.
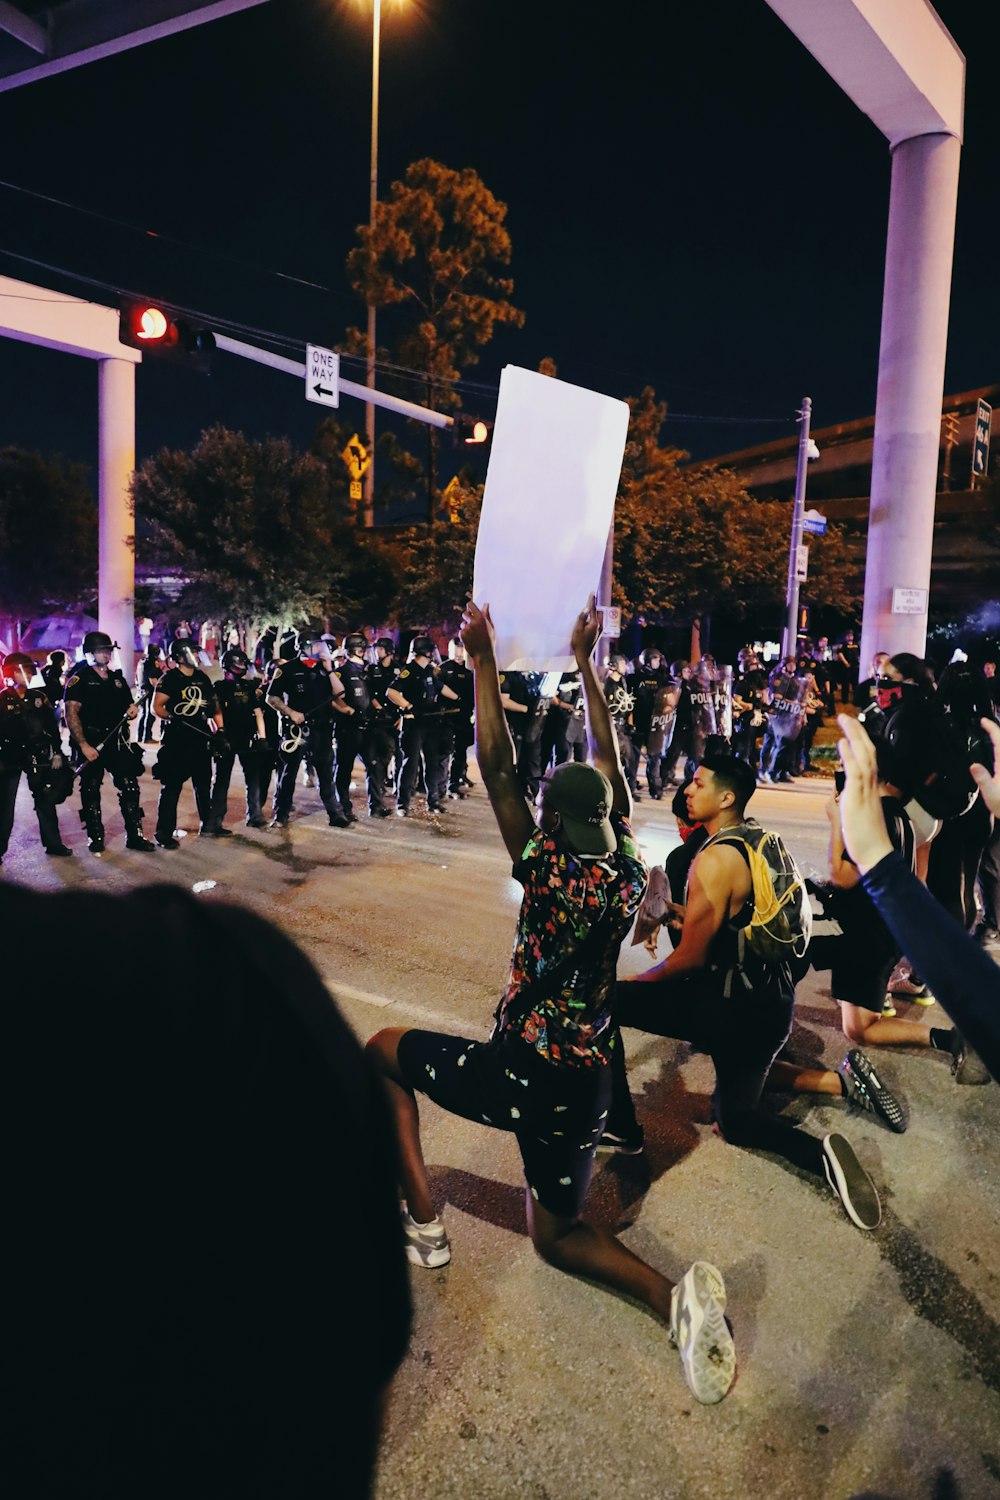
(557, 1114)
(859, 970)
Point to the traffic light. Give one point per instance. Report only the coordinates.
(155, 330)
(471, 430)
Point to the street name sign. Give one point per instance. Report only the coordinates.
(909, 601)
(322, 375)
(813, 523)
(981, 441)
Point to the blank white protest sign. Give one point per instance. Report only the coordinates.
(549, 502)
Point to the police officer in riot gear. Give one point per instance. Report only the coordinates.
(99, 709)
(621, 702)
(306, 692)
(415, 693)
(191, 729)
(459, 733)
(349, 728)
(149, 669)
(241, 699)
(29, 743)
(379, 737)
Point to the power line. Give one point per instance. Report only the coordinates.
(294, 345)
(167, 239)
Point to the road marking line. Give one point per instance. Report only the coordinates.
(419, 1015)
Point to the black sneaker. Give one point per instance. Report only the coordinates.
(256, 822)
(143, 845)
(337, 820)
(864, 1087)
(278, 822)
(851, 1182)
(623, 1145)
(58, 851)
(96, 846)
(167, 841)
(967, 1066)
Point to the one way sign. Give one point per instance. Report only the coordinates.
(322, 375)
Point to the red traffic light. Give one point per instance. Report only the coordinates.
(155, 330)
(471, 429)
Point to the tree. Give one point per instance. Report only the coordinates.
(255, 528)
(48, 538)
(435, 562)
(432, 263)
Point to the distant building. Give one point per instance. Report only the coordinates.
(839, 485)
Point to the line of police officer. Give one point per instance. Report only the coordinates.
(301, 708)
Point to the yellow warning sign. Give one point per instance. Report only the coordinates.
(356, 457)
(355, 489)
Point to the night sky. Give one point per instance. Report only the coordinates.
(693, 204)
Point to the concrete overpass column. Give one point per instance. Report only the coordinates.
(922, 206)
(116, 544)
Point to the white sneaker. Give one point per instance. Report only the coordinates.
(426, 1244)
(700, 1333)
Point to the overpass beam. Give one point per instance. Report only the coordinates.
(116, 537)
(922, 209)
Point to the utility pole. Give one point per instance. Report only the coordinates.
(368, 504)
(790, 643)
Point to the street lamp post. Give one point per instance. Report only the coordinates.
(790, 642)
(368, 504)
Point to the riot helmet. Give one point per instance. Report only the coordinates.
(421, 645)
(355, 644)
(290, 645)
(182, 652)
(236, 661)
(386, 645)
(97, 640)
(18, 669)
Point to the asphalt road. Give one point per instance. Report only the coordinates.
(869, 1365)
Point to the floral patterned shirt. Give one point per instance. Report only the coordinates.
(568, 1020)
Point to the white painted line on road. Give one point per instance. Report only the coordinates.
(416, 1015)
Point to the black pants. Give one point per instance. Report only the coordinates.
(681, 745)
(146, 718)
(194, 766)
(121, 764)
(989, 878)
(742, 1035)
(378, 746)
(459, 773)
(48, 822)
(350, 744)
(412, 738)
(320, 746)
(954, 862)
(256, 766)
(439, 746)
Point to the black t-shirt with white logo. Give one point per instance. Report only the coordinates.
(238, 697)
(191, 701)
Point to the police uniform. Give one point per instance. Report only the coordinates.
(418, 685)
(646, 683)
(459, 726)
(29, 739)
(148, 673)
(555, 748)
(526, 687)
(238, 698)
(378, 736)
(621, 703)
(186, 744)
(304, 684)
(103, 703)
(349, 731)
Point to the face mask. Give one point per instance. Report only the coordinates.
(887, 693)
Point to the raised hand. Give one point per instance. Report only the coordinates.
(587, 631)
(477, 631)
(987, 784)
(861, 820)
